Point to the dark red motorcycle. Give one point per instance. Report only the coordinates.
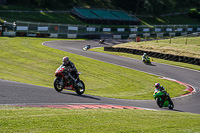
(64, 80)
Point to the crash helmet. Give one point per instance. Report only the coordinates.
(157, 85)
(66, 60)
(144, 54)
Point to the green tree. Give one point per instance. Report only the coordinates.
(156, 7)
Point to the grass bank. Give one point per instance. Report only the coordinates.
(27, 60)
(23, 119)
(62, 18)
(167, 20)
(176, 46)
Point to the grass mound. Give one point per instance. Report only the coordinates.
(175, 46)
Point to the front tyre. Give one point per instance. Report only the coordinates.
(58, 84)
(159, 102)
(80, 89)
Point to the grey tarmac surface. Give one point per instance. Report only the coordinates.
(19, 93)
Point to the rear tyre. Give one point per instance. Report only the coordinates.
(80, 89)
(171, 104)
(59, 84)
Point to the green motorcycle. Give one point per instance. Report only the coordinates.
(146, 60)
(163, 99)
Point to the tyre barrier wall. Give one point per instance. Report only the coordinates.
(184, 59)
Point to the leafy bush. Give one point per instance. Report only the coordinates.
(194, 13)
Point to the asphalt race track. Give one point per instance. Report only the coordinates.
(14, 93)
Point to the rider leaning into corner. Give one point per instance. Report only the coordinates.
(70, 67)
(144, 57)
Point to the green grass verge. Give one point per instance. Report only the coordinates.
(27, 60)
(24, 119)
(167, 20)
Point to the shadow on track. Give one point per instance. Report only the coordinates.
(152, 65)
(84, 96)
(166, 109)
(178, 110)
(105, 44)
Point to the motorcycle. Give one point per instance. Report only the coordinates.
(64, 80)
(147, 61)
(86, 47)
(101, 41)
(163, 99)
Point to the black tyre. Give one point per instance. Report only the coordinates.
(58, 84)
(80, 89)
(171, 104)
(149, 62)
(159, 102)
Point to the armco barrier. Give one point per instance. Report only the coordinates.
(92, 36)
(190, 60)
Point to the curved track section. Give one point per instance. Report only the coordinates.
(23, 94)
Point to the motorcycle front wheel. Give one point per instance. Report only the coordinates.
(80, 89)
(59, 84)
(159, 102)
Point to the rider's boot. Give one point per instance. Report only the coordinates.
(75, 84)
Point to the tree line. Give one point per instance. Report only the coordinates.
(153, 7)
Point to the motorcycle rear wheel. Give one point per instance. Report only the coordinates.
(149, 62)
(80, 90)
(58, 87)
(171, 104)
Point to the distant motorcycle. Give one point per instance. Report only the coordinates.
(163, 99)
(86, 47)
(102, 41)
(147, 61)
(64, 80)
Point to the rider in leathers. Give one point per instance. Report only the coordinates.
(70, 67)
(145, 57)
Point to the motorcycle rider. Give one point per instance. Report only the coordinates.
(162, 89)
(145, 57)
(70, 67)
(102, 40)
(159, 88)
(86, 47)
